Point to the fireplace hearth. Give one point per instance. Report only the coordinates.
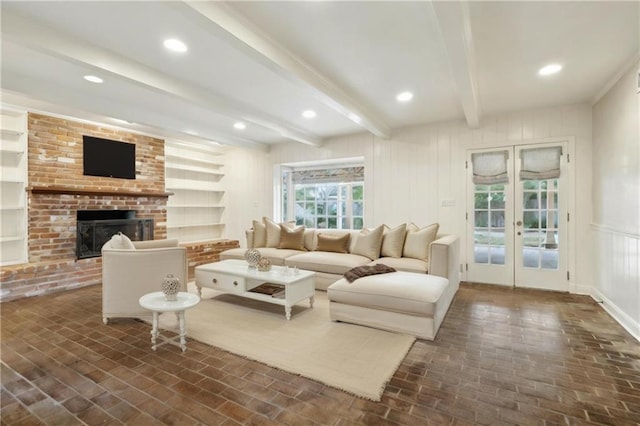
(96, 227)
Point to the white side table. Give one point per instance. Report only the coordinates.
(157, 303)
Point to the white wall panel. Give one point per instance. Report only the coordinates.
(409, 175)
(616, 195)
(618, 276)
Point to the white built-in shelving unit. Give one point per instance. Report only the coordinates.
(194, 173)
(13, 182)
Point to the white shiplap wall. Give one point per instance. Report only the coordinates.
(409, 175)
(616, 194)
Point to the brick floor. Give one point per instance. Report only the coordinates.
(502, 356)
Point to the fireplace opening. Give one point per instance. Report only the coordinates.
(96, 227)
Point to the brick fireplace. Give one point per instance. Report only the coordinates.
(58, 189)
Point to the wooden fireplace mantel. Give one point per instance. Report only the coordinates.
(83, 191)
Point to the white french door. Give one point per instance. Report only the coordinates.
(517, 219)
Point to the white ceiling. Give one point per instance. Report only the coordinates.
(263, 63)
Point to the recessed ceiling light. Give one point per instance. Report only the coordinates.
(309, 114)
(404, 96)
(239, 125)
(175, 45)
(550, 69)
(93, 79)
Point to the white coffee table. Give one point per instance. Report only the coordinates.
(236, 277)
(158, 304)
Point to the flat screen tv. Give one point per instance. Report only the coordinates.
(104, 157)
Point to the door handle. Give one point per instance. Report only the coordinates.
(519, 223)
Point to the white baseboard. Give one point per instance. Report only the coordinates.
(628, 323)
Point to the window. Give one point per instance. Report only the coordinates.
(324, 198)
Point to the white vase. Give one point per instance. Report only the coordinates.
(170, 287)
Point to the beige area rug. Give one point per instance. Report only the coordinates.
(356, 359)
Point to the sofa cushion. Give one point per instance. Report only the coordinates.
(329, 262)
(334, 243)
(417, 241)
(309, 238)
(393, 241)
(291, 238)
(406, 264)
(273, 231)
(276, 256)
(259, 234)
(368, 243)
(405, 292)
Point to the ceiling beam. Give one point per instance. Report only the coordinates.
(454, 21)
(39, 37)
(267, 51)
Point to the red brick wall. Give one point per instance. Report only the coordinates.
(206, 252)
(55, 160)
(52, 220)
(55, 156)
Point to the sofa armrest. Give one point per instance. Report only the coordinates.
(444, 258)
(150, 244)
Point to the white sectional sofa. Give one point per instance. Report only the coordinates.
(430, 253)
(413, 300)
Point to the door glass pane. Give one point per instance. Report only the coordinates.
(540, 223)
(489, 222)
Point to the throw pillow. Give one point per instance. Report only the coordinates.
(417, 241)
(291, 238)
(393, 241)
(259, 234)
(273, 232)
(368, 243)
(122, 242)
(333, 242)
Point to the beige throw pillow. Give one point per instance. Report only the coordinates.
(332, 242)
(417, 241)
(122, 242)
(368, 243)
(291, 238)
(393, 241)
(273, 231)
(259, 234)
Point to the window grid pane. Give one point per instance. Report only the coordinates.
(329, 205)
(489, 222)
(540, 219)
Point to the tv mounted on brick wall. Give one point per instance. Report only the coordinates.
(104, 157)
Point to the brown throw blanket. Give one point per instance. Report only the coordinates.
(363, 271)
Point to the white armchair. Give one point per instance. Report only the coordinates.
(128, 274)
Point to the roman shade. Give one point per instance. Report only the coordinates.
(490, 168)
(329, 175)
(540, 163)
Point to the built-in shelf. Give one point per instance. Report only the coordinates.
(13, 179)
(11, 132)
(82, 191)
(194, 225)
(186, 188)
(194, 171)
(11, 238)
(174, 159)
(195, 206)
(10, 151)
